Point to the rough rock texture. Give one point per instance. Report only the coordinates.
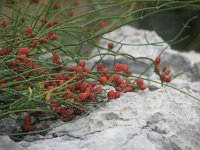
(136, 121)
(164, 119)
(7, 144)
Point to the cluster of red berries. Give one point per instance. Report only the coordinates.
(23, 65)
(121, 83)
(164, 73)
(5, 51)
(4, 22)
(28, 125)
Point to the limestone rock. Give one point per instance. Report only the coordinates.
(7, 144)
(163, 119)
(160, 120)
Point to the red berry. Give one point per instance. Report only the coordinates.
(102, 24)
(56, 5)
(128, 89)
(59, 77)
(54, 37)
(56, 21)
(122, 87)
(32, 35)
(50, 88)
(34, 43)
(57, 109)
(110, 45)
(82, 64)
(104, 70)
(83, 96)
(167, 71)
(27, 119)
(22, 55)
(99, 67)
(35, 1)
(157, 60)
(70, 117)
(111, 94)
(167, 79)
(50, 24)
(83, 86)
(102, 80)
(43, 40)
(28, 31)
(116, 78)
(24, 50)
(71, 13)
(28, 127)
(4, 23)
(87, 70)
(139, 81)
(117, 94)
(142, 87)
(98, 90)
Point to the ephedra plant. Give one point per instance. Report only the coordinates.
(37, 88)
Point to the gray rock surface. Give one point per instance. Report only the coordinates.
(160, 120)
(7, 144)
(163, 119)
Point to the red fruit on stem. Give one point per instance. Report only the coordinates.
(98, 90)
(28, 31)
(32, 35)
(99, 67)
(56, 21)
(65, 112)
(139, 81)
(168, 79)
(35, 1)
(83, 86)
(56, 5)
(117, 94)
(102, 80)
(70, 117)
(102, 24)
(82, 64)
(71, 13)
(110, 45)
(142, 87)
(116, 78)
(128, 89)
(28, 127)
(54, 37)
(87, 70)
(27, 119)
(57, 109)
(50, 88)
(24, 50)
(22, 55)
(111, 94)
(104, 70)
(34, 43)
(83, 96)
(43, 40)
(157, 60)
(167, 71)
(4, 23)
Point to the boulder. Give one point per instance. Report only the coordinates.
(162, 119)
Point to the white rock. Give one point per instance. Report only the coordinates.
(7, 144)
(164, 119)
(160, 120)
